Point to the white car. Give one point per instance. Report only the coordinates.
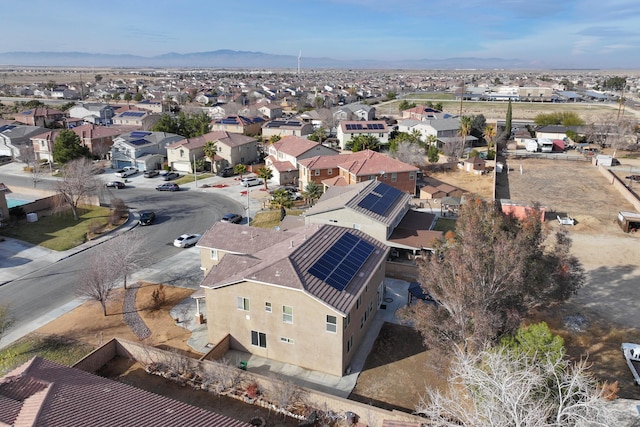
(126, 171)
(186, 240)
(250, 182)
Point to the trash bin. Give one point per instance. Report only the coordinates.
(243, 365)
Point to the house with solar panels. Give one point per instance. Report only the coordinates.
(348, 129)
(355, 112)
(284, 128)
(239, 124)
(143, 120)
(304, 297)
(382, 212)
(40, 116)
(143, 149)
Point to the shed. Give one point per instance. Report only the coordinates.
(629, 221)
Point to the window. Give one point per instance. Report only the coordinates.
(329, 171)
(370, 306)
(349, 343)
(359, 302)
(243, 303)
(332, 324)
(347, 320)
(181, 153)
(316, 172)
(287, 314)
(394, 177)
(287, 340)
(267, 307)
(259, 339)
(356, 226)
(335, 221)
(411, 176)
(214, 254)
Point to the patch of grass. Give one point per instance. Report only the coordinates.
(185, 179)
(59, 232)
(445, 224)
(431, 96)
(270, 219)
(55, 348)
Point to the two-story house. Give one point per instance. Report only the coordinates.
(141, 119)
(95, 113)
(444, 130)
(423, 113)
(99, 139)
(142, 149)
(304, 297)
(15, 137)
(283, 157)
(284, 128)
(348, 129)
(356, 112)
(238, 124)
(40, 116)
(382, 212)
(270, 111)
(351, 168)
(43, 144)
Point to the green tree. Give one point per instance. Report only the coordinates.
(564, 118)
(166, 123)
(432, 154)
(281, 198)
(127, 97)
(466, 124)
(312, 192)
(67, 106)
(34, 103)
(438, 106)
(240, 169)
(266, 174)
(364, 142)
(68, 146)
(615, 83)
(489, 135)
(187, 125)
(405, 105)
(508, 120)
(138, 97)
(318, 102)
(98, 78)
(210, 149)
(391, 95)
(535, 340)
(274, 138)
(318, 135)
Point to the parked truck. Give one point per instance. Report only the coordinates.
(531, 145)
(545, 145)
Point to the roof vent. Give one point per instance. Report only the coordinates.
(277, 273)
(291, 244)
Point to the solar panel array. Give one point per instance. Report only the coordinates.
(6, 127)
(338, 266)
(138, 142)
(367, 126)
(380, 199)
(139, 134)
(133, 114)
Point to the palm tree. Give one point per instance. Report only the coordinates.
(312, 192)
(489, 134)
(240, 169)
(281, 198)
(266, 174)
(210, 150)
(466, 123)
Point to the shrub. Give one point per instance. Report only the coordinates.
(158, 297)
(95, 226)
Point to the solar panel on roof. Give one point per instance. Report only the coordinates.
(380, 199)
(341, 262)
(138, 142)
(139, 134)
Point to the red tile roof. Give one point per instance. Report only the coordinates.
(361, 163)
(294, 145)
(43, 393)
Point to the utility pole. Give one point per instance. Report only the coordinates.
(195, 171)
(248, 208)
(461, 97)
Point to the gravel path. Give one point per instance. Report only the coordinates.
(131, 316)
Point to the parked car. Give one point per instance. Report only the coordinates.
(147, 218)
(232, 218)
(151, 173)
(226, 172)
(168, 186)
(250, 182)
(168, 176)
(295, 193)
(186, 240)
(115, 184)
(635, 178)
(126, 171)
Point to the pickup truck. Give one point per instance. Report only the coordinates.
(127, 171)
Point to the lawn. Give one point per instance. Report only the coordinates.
(445, 224)
(270, 219)
(185, 179)
(56, 348)
(59, 231)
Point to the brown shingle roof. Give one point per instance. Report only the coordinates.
(361, 163)
(294, 145)
(49, 394)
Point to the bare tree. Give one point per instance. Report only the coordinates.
(29, 158)
(98, 280)
(454, 149)
(410, 153)
(6, 319)
(329, 121)
(506, 388)
(77, 183)
(124, 254)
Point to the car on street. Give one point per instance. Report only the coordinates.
(226, 172)
(232, 218)
(168, 176)
(250, 181)
(115, 184)
(151, 173)
(186, 240)
(147, 218)
(126, 171)
(635, 178)
(168, 186)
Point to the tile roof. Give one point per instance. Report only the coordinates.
(44, 393)
(240, 239)
(366, 162)
(294, 145)
(415, 230)
(287, 262)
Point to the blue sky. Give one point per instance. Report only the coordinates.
(553, 33)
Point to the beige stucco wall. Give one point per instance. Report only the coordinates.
(348, 218)
(313, 347)
(206, 262)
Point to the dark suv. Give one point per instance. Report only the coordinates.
(147, 218)
(226, 172)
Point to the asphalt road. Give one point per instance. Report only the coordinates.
(188, 211)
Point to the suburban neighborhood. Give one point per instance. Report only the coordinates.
(323, 236)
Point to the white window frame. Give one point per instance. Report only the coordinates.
(394, 177)
(214, 254)
(316, 172)
(243, 303)
(268, 307)
(260, 339)
(332, 326)
(287, 317)
(286, 340)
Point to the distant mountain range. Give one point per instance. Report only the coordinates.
(243, 59)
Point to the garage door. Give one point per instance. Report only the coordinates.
(181, 167)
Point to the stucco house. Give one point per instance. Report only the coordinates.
(141, 119)
(351, 168)
(348, 129)
(40, 116)
(270, 111)
(238, 124)
(355, 112)
(283, 157)
(99, 139)
(284, 128)
(142, 149)
(95, 113)
(423, 113)
(380, 211)
(305, 297)
(14, 137)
